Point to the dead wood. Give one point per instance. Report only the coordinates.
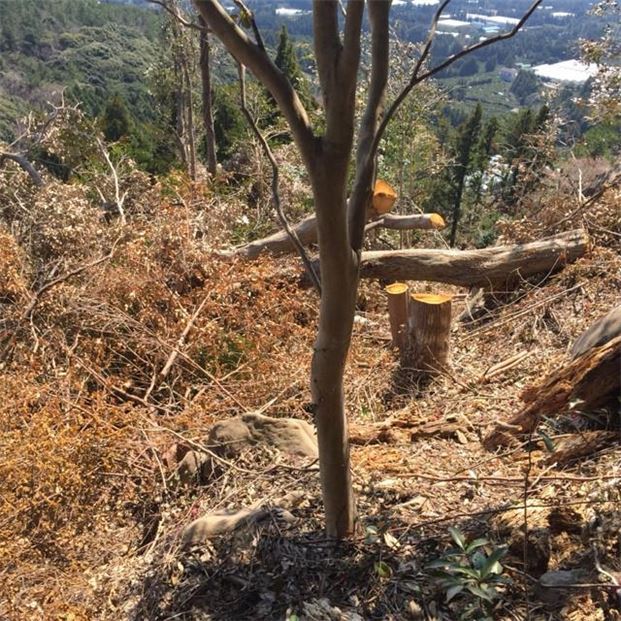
(401, 431)
(306, 231)
(579, 445)
(592, 379)
(23, 162)
(468, 268)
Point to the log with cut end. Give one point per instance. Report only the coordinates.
(306, 230)
(429, 331)
(467, 268)
(398, 314)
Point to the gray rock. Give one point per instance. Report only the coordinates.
(553, 585)
(289, 435)
(195, 467)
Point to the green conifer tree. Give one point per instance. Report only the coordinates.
(115, 122)
(464, 146)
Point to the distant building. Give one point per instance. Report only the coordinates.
(566, 71)
(507, 74)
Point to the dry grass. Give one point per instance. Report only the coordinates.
(90, 513)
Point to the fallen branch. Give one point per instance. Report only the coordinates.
(467, 268)
(306, 231)
(157, 379)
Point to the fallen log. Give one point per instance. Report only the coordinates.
(306, 230)
(592, 379)
(485, 267)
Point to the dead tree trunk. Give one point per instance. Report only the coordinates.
(429, 332)
(467, 268)
(593, 378)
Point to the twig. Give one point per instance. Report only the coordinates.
(275, 180)
(177, 15)
(175, 352)
(118, 198)
(529, 466)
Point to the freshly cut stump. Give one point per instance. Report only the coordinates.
(429, 331)
(398, 314)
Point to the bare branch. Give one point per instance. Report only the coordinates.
(275, 180)
(119, 199)
(430, 37)
(177, 15)
(25, 165)
(379, 13)
(418, 78)
(481, 44)
(250, 54)
(253, 22)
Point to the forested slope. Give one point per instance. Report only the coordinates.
(87, 49)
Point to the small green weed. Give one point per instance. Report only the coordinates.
(472, 573)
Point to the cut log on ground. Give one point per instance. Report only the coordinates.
(429, 332)
(592, 379)
(306, 230)
(486, 267)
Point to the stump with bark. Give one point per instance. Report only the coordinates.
(398, 314)
(429, 327)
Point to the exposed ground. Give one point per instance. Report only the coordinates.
(93, 512)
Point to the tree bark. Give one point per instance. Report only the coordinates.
(468, 268)
(306, 230)
(25, 165)
(398, 314)
(210, 136)
(339, 285)
(592, 378)
(429, 332)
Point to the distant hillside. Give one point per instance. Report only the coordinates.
(90, 49)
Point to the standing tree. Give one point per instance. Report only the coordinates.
(327, 156)
(287, 62)
(465, 141)
(205, 67)
(115, 122)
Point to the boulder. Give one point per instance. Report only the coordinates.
(289, 435)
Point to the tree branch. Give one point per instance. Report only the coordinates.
(379, 13)
(275, 180)
(177, 15)
(25, 165)
(250, 54)
(417, 79)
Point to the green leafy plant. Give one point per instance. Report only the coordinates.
(472, 573)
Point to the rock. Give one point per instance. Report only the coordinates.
(221, 522)
(553, 585)
(195, 467)
(289, 435)
(175, 453)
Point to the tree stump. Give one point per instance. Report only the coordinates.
(398, 314)
(429, 331)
